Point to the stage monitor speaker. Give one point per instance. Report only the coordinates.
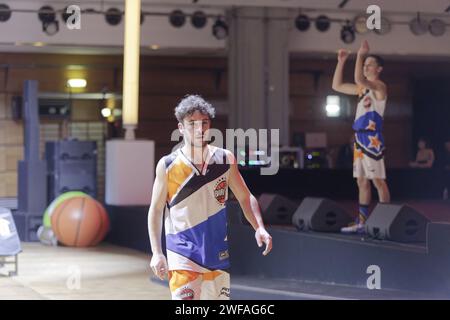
(276, 209)
(397, 223)
(320, 214)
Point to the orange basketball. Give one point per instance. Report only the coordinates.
(80, 222)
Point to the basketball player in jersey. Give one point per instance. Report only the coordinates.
(192, 182)
(368, 158)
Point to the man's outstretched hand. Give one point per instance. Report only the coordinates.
(343, 54)
(262, 236)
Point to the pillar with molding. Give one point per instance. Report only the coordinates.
(259, 69)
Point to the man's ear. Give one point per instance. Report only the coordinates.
(180, 127)
(380, 69)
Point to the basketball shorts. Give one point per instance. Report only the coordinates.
(190, 285)
(367, 167)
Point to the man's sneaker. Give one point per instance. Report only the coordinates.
(354, 228)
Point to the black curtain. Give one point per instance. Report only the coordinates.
(431, 113)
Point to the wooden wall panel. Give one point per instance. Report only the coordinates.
(165, 80)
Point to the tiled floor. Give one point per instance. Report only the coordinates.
(102, 272)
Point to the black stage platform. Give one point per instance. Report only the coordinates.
(308, 265)
(345, 260)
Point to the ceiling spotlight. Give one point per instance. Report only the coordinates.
(5, 12)
(113, 16)
(220, 29)
(322, 23)
(47, 15)
(177, 18)
(50, 28)
(348, 33)
(198, 19)
(302, 22)
(437, 27)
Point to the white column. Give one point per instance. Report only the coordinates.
(131, 67)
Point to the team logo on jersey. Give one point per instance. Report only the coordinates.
(220, 190)
(225, 292)
(186, 294)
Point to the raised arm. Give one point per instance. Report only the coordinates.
(155, 214)
(249, 205)
(338, 84)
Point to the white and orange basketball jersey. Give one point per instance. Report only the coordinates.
(368, 124)
(369, 142)
(196, 219)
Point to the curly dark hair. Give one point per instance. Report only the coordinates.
(191, 103)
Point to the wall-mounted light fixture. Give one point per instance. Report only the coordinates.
(333, 107)
(76, 83)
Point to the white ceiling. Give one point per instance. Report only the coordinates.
(410, 7)
(402, 6)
